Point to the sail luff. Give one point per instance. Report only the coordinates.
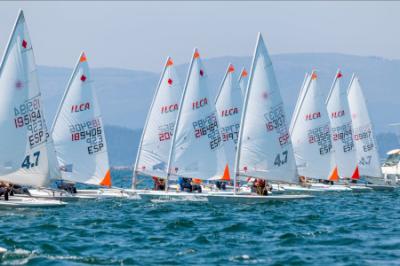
(222, 83)
(299, 102)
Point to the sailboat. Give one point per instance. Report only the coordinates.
(229, 104)
(197, 149)
(345, 153)
(311, 137)
(79, 137)
(155, 144)
(22, 125)
(264, 149)
(364, 139)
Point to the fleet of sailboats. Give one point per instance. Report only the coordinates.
(241, 137)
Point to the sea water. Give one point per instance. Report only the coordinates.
(341, 229)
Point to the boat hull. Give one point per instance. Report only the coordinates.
(29, 202)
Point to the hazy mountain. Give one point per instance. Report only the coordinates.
(125, 95)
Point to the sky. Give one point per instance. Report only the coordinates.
(140, 35)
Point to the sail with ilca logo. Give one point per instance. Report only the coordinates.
(197, 147)
(229, 105)
(341, 130)
(311, 135)
(155, 144)
(78, 131)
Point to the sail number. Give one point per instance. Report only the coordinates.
(29, 115)
(208, 127)
(91, 132)
(27, 161)
(165, 131)
(281, 158)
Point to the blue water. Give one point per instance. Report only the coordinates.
(340, 229)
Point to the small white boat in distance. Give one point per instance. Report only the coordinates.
(24, 158)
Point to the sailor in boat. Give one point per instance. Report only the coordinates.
(196, 185)
(159, 183)
(17, 189)
(220, 184)
(4, 190)
(185, 184)
(303, 181)
(261, 187)
(67, 186)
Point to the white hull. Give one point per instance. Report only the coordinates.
(29, 202)
(295, 189)
(152, 195)
(106, 193)
(331, 188)
(86, 194)
(255, 198)
(381, 187)
(360, 188)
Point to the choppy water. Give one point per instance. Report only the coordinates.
(342, 229)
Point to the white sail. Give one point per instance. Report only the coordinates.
(341, 130)
(229, 106)
(154, 150)
(364, 139)
(311, 136)
(78, 131)
(197, 148)
(298, 102)
(243, 79)
(23, 159)
(264, 148)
